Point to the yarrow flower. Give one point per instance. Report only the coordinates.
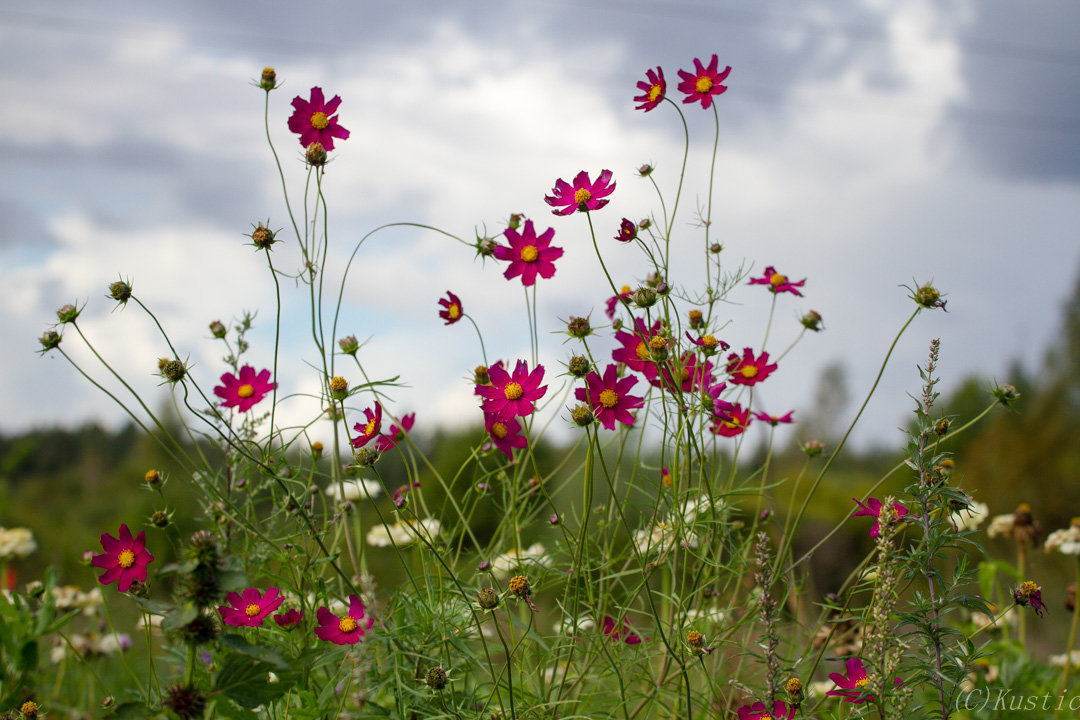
(850, 685)
(653, 88)
(315, 120)
(610, 397)
(243, 391)
(505, 434)
(452, 311)
(367, 431)
(778, 283)
(748, 370)
(347, 630)
(705, 82)
(529, 255)
(584, 195)
(15, 543)
(124, 560)
(512, 395)
(873, 509)
(397, 433)
(1066, 541)
(250, 608)
(757, 711)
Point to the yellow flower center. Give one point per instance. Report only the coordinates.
(642, 351)
(654, 91)
(370, 427)
(750, 371)
(529, 253)
(624, 289)
(582, 196)
(862, 682)
(125, 559)
(513, 391)
(703, 84)
(657, 343)
(608, 398)
(251, 610)
(709, 341)
(347, 624)
(319, 121)
(245, 391)
(776, 279)
(731, 424)
(498, 429)
(454, 311)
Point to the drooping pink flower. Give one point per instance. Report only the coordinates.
(609, 305)
(775, 420)
(635, 353)
(505, 434)
(705, 82)
(1029, 593)
(778, 283)
(347, 630)
(512, 395)
(620, 631)
(250, 608)
(529, 255)
(851, 684)
(627, 231)
(748, 370)
(315, 120)
(758, 711)
(653, 89)
(289, 619)
(369, 429)
(708, 343)
(873, 509)
(452, 311)
(711, 400)
(609, 397)
(243, 391)
(584, 195)
(390, 440)
(732, 422)
(124, 560)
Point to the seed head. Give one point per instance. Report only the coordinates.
(485, 246)
(927, 296)
(186, 701)
(436, 678)
(172, 370)
(644, 297)
(315, 155)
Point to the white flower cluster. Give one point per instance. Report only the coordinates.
(972, 517)
(1066, 542)
(532, 556)
(402, 534)
(16, 543)
(92, 645)
(69, 597)
(353, 490)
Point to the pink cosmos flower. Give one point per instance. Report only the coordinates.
(250, 608)
(710, 398)
(289, 619)
(708, 343)
(691, 375)
(873, 509)
(775, 420)
(347, 630)
(243, 391)
(778, 283)
(749, 370)
(609, 397)
(653, 88)
(529, 255)
(511, 395)
(609, 306)
(850, 685)
(627, 231)
(367, 431)
(452, 312)
(315, 120)
(620, 631)
(505, 434)
(634, 352)
(703, 83)
(733, 422)
(390, 440)
(124, 560)
(1030, 594)
(757, 711)
(584, 195)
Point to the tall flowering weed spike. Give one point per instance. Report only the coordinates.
(704, 83)
(584, 195)
(451, 311)
(249, 608)
(777, 282)
(244, 390)
(512, 395)
(654, 89)
(347, 630)
(315, 120)
(369, 429)
(609, 397)
(529, 255)
(124, 560)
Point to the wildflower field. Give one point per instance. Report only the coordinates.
(657, 566)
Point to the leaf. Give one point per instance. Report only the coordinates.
(179, 617)
(246, 681)
(238, 644)
(131, 711)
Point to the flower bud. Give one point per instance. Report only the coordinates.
(152, 478)
(582, 415)
(366, 457)
(697, 320)
(644, 224)
(268, 80)
(481, 376)
(68, 313)
(645, 170)
(813, 448)
(928, 297)
(811, 320)
(339, 387)
(435, 678)
(349, 345)
(658, 348)
(315, 155)
(488, 599)
(172, 370)
(578, 327)
(218, 329)
(120, 291)
(715, 248)
(262, 237)
(579, 366)
(49, 340)
(942, 427)
(644, 297)
(316, 450)
(515, 220)
(485, 246)
(160, 519)
(1005, 394)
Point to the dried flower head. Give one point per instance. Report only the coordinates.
(811, 320)
(262, 237)
(186, 701)
(268, 79)
(120, 291)
(488, 599)
(436, 678)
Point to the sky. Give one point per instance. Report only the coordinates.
(863, 145)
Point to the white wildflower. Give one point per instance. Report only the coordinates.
(532, 556)
(402, 533)
(971, 517)
(1073, 659)
(360, 489)
(1066, 542)
(1001, 525)
(16, 543)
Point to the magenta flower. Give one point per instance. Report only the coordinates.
(873, 509)
(243, 391)
(289, 619)
(748, 370)
(505, 434)
(653, 88)
(529, 255)
(390, 440)
(732, 422)
(584, 195)
(370, 428)
(315, 120)
(347, 630)
(1030, 594)
(611, 302)
(250, 608)
(124, 560)
(609, 397)
(710, 398)
(627, 231)
(757, 711)
(635, 353)
(850, 685)
(620, 631)
(708, 343)
(452, 311)
(775, 420)
(511, 395)
(703, 83)
(691, 375)
(778, 283)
